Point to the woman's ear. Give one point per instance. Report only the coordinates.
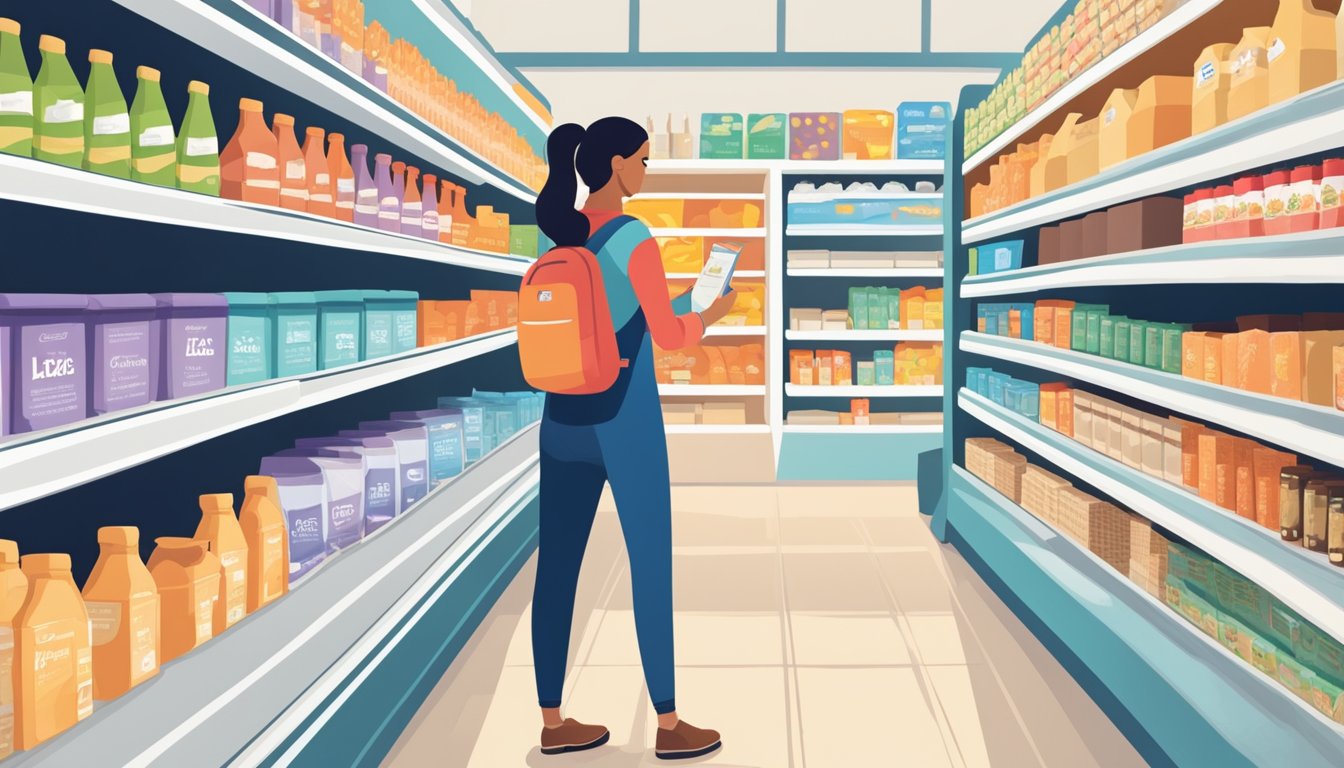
(617, 164)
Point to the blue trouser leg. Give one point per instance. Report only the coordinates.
(570, 491)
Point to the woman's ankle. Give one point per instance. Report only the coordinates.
(551, 718)
(668, 721)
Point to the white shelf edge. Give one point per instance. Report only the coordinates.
(33, 181)
(751, 232)
(1179, 19)
(198, 22)
(742, 273)
(36, 465)
(893, 335)
(892, 272)
(711, 390)
(798, 390)
(717, 429)
(1278, 580)
(807, 230)
(893, 167)
(872, 429)
(735, 330)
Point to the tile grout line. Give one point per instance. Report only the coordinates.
(936, 707)
(794, 703)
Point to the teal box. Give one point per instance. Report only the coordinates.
(1094, 331)
(858, 308)
(340, 328)
(294, 321)
(884, 367)
(1122, 325)
(1172, 344)
(389, 322)
(866, 375)
(1138, 340)
(768, 136)
(524, 240)
(251, 358)
(473, 419)
(1152, 349)
(721, 136)
(878, 309)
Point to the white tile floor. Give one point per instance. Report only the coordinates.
(808, 635)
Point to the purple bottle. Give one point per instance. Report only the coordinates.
(375, 74)
(43, 337)
(283, 13)
(366, 192)
(429, 225)
(389, 204)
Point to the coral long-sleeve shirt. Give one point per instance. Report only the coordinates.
(672, 323)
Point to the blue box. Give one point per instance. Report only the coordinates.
(884, 366)
(922, 130)
(999, 257)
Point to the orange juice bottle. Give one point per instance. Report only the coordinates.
(321, 191)
(53, 661)
(13, 591)
(263, 525)
(342, 177)
(249, 165)
(220, 528)
(123, 607)
(293, 176)
(187, 575)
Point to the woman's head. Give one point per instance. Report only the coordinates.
(611, 151)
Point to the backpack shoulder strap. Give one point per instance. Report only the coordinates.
(607, 231)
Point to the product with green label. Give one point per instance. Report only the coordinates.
(16, 94)
(58, 108)
(153, 144)
(198, 144)
(767, 136)
(107, 124)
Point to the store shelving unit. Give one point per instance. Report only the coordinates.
(851, 335)
(878, 391)
(1179, 694)
(718, 234)
(877, 274)
(895, 230)
(872, 429)
(33, 181)
(712, 390)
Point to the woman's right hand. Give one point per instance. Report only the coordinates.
(719, 309)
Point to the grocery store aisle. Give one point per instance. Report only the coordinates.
(816, 626)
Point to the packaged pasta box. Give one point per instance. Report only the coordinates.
(767, 136)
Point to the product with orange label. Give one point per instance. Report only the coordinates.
(249, 165)
(293, 172)
(123, 606)
(1301, 50)
(1248, 90)
(868, 134)
(1304, 195)
(1113, 131)
(342, 178)
(267, 538)
(321, 200)
(1053, 170)
(220, 529)
(445, 211)
(1248, 209)
(13, 591)
(1038, 171)
(1161, 114)
(1212, 82)
(187, 575)
(1083, 151)
(53, 660)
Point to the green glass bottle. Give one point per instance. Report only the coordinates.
(16, 94)
(58, 125)
(153, 143)
(198, 144)
(107, 124)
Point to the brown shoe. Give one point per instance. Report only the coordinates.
(572, 736)
(685, 742)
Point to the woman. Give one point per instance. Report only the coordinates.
(614, 436)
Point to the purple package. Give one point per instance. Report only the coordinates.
(283, 13)
(5, 366)
(382, 482)
(366, 192)
(303, 499)
(47, 355)
(412, 444)
(264, 7)
(814, 135)
(189, 335)
(375, 74)
(344, 476)
(389, 204)
(120, 351)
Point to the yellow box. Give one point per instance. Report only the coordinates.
(1113, 131)
(1083, 154)
(657, 213)
(868, 134)
(1301, 50)
(1248, 89)
(1161, 114)
(1054, 169)
(1212, 81)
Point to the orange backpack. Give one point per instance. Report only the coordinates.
(566, 340)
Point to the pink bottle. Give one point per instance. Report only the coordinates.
(366, 192)
(389, 205)
(412, 213)
(429, 225)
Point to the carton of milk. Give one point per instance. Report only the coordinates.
(922, 128)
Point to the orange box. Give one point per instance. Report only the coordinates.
(1064, 326)
(1254, 361)
(1268, 464)
(1044, 324)
(429, 325)
(1161, 113)
(842, 368)
(1217, 469)
(1338, 369)
(1286, 353)
(455, 314)
(1064, 412)
(1113, 134)
(1190, 453)
(1318, 379)
(800, 367)
(1192, 355)
(1243, 461)
(1213, 357)
(1231, 359)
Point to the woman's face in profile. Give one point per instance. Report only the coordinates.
(630, 171)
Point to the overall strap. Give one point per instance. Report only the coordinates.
(607, 231)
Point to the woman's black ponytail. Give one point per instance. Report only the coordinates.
(556, 214)
(601, 141)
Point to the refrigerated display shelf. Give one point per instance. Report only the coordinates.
(900, 390)
(236, 33)
(33, 181)
(1146, 41)
(1303, 580)
(1300, 126)
(36, 465)
(871, 429)
(1198, 703)
(711, 390)
(714, 232)
(895, 274)
(1308, 257)
(851, 335)
(1311, 430)
(821, 167)
(863, 230)
(717, 429)
(247, 695)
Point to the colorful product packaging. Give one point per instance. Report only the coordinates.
(294, 323)
(250, 358)
(814, 135)
(340, 328)
(721, 136)
(412, 444)
(189, 337)
(343, 477)
(767, 136)
(446, 429)
(303, 499)
(16, 85)
(119, 340)
(922, 129)
(47, 355)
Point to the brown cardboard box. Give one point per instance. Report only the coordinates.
(1083, 152)
(1243, 458)
(1047, 251)
(1171, 452)
(681, 413)
(1254, 362)
(1192, 355)
(1113, 133)
(1040, 493)
(1338, 369)
(1248, 91)
(1318, 381)
(1152, 447)
(1094, 235)
(1152, 223)
(1217, 472)
(1301, 50)
(1322, 321)
(1213, 357)
(1212, 80)
(1231, 358)
(1115, 431)
(1071, 240)
(724, 413)
(1161, 114)
(1131, 437)
(1190, 432)
(1271, 323)
(1082, 418)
